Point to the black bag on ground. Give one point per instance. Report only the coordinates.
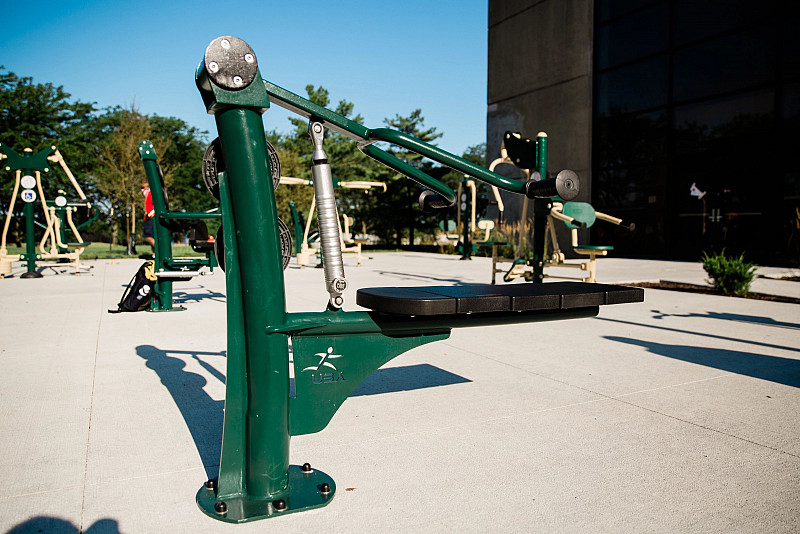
(139, 293)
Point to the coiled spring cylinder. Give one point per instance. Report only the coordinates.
(327, 216)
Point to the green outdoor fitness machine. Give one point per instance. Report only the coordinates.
(167, 268)
(333, 350)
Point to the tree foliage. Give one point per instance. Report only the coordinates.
(101, 148)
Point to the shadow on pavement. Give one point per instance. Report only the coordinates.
(749, 319)
(773, 368)
(702, 334)
(54, 525)
(407, 378)
(203, 415)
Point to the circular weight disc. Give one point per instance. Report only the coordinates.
(163, 187)
(230, 63)
(286, 243)
(219, 249)
(213, 164)
(274, 165)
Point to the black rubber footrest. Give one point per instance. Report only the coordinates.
(487, 298)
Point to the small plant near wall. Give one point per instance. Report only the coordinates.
(728, 274)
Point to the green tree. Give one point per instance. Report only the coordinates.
(34, 115)
(401, 209)
(347, 162)
(120, 172)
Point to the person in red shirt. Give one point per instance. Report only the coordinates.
(149, 212)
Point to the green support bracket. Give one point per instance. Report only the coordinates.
(164, 262)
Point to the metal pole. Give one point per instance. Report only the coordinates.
(541, 208)
(30, 243)
(241, 132)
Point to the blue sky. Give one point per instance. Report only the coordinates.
(386, 57)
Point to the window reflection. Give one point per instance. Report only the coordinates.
(637, 35)
(733, 62)
(609, 9)
(639, 86)
(697, 19)
(716, 103)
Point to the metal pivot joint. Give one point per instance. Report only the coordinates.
(330, 241)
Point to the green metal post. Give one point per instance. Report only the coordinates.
(541, 209)
(164, 262)
(30, 243)
(248, 178)
(465, 205)
(162, 292)
(298, 231)
(61, 213)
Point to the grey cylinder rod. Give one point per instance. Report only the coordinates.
(327, 217)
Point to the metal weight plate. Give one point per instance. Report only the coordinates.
(274, 165)
(286, 243)
(213, 164)
(219, 249)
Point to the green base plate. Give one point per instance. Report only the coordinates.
(302, 494)
(175, 309)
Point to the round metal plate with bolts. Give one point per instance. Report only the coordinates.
(213, 164)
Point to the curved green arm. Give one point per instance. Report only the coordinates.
(445, 158)
(366, 136)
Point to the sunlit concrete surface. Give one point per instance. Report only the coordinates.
(678, 414)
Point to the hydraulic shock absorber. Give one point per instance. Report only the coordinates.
(335, 281)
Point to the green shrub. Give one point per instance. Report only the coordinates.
(730, 275)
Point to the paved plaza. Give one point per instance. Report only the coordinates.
(678, 414)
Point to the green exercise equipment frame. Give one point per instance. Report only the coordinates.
(29, 169)
(333, 350)
(167, 268)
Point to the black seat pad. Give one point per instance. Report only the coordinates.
(487, 298)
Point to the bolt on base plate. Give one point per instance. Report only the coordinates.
(305, 492)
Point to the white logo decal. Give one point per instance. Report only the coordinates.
(324, 357)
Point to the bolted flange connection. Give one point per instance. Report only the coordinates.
(325, 488)
(279, 505)
(211, 484)
(306, 468)
(230, 63)
(221, 507)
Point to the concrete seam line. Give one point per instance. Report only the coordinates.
(91, 402)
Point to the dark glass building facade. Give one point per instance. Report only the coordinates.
(702, 93)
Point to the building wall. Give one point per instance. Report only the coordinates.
(540, 79)
(645, 99)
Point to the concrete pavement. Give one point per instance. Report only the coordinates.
(676, 414)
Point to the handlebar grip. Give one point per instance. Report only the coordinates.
(566, 185)
(430, 201)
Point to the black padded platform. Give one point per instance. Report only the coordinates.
(487, 298)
